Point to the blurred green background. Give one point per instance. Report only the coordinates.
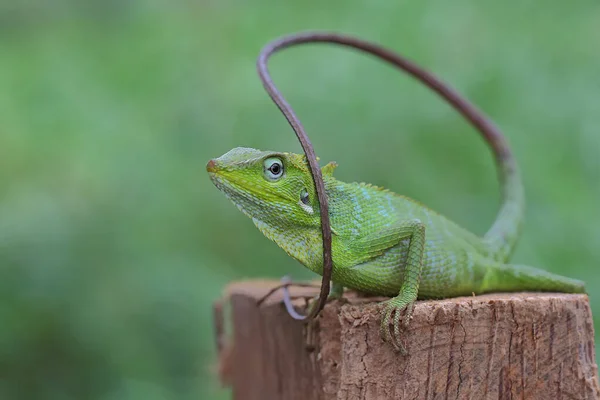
(113, 241)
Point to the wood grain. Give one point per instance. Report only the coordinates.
(500, 346)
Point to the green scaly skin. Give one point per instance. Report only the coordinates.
(383, 243)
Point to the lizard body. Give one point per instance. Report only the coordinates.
(382, 243)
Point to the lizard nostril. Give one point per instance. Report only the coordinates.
(211, 166)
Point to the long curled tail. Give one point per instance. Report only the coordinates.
(503, 235)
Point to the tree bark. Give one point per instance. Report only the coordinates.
(497, 346)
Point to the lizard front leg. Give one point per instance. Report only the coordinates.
(369, 252)
(415, 231)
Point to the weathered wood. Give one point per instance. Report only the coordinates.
(500, 346)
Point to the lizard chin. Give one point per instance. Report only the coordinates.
(242, 199)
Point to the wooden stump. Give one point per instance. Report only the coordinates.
(500, 346)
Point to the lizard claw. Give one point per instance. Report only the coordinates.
(393, 312)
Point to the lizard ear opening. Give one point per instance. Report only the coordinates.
(305, 202)
(329, 168)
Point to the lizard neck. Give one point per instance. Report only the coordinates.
(301, 243)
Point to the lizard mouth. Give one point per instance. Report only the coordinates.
(250, 198)
(238, 186)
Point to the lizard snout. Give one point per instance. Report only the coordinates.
(211, 167)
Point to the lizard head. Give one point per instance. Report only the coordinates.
(274, 189)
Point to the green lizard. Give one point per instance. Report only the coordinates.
(383, 243)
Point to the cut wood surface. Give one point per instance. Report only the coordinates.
(497, 346)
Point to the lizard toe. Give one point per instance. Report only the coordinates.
(398, 312)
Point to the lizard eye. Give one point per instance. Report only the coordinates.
(273, 168)
(304, 197)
